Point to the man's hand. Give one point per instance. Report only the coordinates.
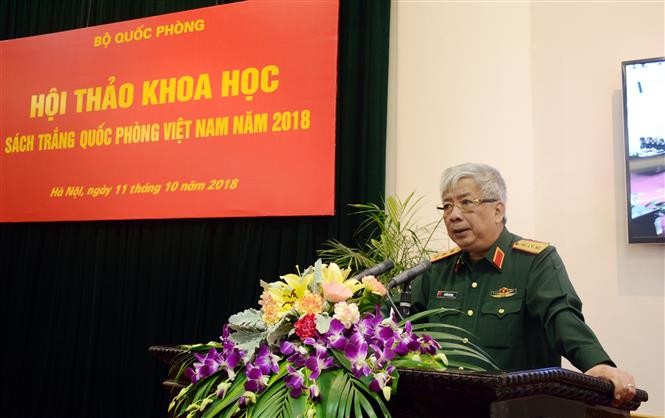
(624, 382)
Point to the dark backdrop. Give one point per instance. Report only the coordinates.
(81, 302)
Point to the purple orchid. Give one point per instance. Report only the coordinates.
(206, 366)
(256, 380)
(287, 347)
(383, 355)
(266, 360)
(299, 357)
(367, 325)
(385, 331)
(381, 382)
(227, 342)
(428, 345)
(408, 341)
(318, 347)
(318, 362)
(295, 381)
(228, 362)
(335, 336)
(356, 351)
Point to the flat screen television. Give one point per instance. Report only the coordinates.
(644, 137)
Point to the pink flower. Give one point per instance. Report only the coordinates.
(336, 291)
(374, 285)
(347, 313)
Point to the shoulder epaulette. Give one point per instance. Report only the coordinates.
(445, 254)
(530, 246)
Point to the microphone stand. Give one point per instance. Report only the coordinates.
(405, 301)
(393, 307)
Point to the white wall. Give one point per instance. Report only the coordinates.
(535, 90)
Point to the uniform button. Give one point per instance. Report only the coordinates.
(465, 340)
(469, 312)
(474, 285)
(501, 310)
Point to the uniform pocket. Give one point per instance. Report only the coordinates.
(450, 309)
(500, 322)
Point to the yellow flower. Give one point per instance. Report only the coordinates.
(297, 284)
(332, 273)
(285, 293)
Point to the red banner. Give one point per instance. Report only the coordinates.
(225, 111)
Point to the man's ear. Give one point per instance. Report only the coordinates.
(499, 212)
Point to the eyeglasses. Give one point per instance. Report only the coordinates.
(464, 205)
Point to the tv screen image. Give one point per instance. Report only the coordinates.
(644, 135)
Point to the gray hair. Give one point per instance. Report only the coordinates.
(487, 178)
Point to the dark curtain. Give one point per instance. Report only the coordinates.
(81, 302)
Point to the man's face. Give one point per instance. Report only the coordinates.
(476, 230)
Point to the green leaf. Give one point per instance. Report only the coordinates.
(466, 366)
(297, 406)
(430, 326)
(278, 331)
(363, 403)
(331, 398)
(231, 411)
(270, 401)
(342, 360)
(342, 395)
(392, 232)
(205, 385)
(357, 409)
(469, 350)
(377, 399)
(248, 320)
(441, 336)
(345, 400)
(248, 341)
(425, 362)
(232, 395)
(420, 315)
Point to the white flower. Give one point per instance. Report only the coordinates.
(347, 313)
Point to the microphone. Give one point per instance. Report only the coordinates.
(376, 270)
(410, 274)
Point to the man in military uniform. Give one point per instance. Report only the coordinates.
(512, 294)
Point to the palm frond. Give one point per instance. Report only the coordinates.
(454, 341)
(342, 395)
(393, 232)
(276, 402)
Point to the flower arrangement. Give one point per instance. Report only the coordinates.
(319, 346)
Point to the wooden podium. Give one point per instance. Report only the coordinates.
(542, 393)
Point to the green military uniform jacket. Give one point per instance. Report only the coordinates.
(517, 302)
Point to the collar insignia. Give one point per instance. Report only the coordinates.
(498, 258)
(504, 292)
